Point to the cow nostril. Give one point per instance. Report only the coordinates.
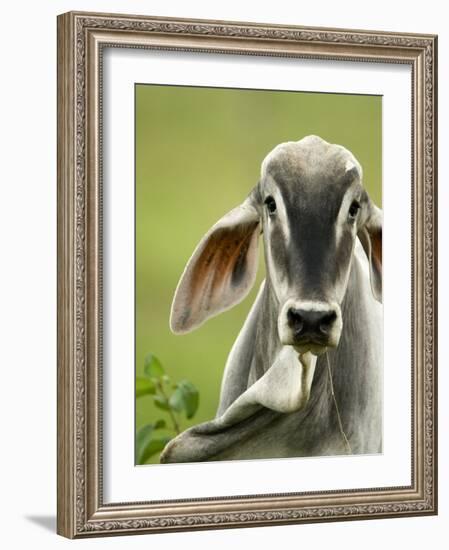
(303, 322)
(327, 320)
(295, 321)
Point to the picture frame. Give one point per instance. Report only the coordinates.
(83, 39)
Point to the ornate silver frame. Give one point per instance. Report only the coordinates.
(81, 39)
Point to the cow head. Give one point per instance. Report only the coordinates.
(310, 207)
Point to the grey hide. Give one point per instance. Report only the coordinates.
(276, 398)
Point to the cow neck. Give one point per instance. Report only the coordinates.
(336, 407)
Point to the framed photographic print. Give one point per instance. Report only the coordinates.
(238, 343)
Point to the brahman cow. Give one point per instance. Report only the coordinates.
(304, 377)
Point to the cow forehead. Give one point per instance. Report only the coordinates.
(311, 160)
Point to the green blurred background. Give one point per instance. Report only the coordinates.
(198, 154)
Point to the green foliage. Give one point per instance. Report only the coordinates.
(144, 386)
(153, 368)
(185, 397)
(172, 398)
(148, 443)
(161, 402)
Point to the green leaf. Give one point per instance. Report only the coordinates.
(144, 386)
(147, 445)
(176, 400)
(155, 446)
(185, 397)
(153, 367)
(143, 438)
(191, 397)
(160, 424)
(161, 403)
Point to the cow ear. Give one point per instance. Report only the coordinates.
(370, 235)
(220, 272)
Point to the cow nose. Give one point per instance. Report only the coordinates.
(308, 322)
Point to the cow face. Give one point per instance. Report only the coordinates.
(310, 206)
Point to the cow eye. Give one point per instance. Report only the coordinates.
(353, 209)
(271, 204)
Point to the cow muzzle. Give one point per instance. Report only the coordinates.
(310, 326)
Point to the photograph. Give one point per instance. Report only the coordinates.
(258, 274)
(238, 346)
